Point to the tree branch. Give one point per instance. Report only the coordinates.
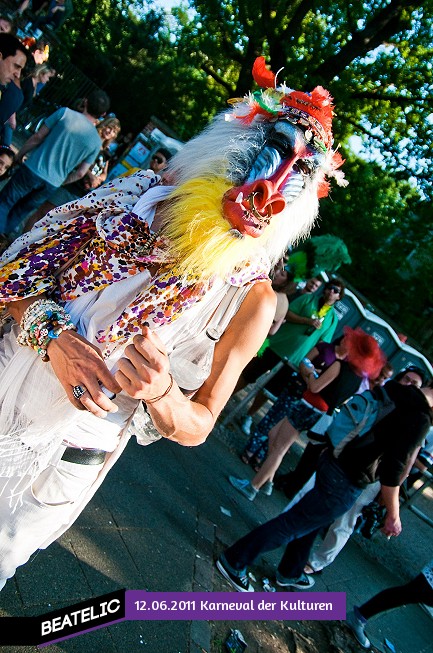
(220, 80)
(360, 127)
(395, 99)
(389, 21)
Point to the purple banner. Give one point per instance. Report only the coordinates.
(232, 606)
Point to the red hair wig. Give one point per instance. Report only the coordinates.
(363, 353)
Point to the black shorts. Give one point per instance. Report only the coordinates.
(261, 364)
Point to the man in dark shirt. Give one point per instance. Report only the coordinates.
(382, 454)
(13, 58)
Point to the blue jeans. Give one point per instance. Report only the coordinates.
(23, 193)
(332, 495)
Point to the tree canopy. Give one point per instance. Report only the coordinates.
(375, 58)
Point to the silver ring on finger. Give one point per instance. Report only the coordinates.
(78, 391)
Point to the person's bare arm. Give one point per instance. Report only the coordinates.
(303, 369)
(280, 312)
(144, 372)
(32, 142)
(410, 463)
(391, 501)
(12, 121)
(316, 385)
(76, 361)
(300, 319)
(77, 174)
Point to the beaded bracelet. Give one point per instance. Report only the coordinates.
(37, 310)
(155, 399)
(43, 321)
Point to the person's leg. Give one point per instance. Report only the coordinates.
(259, 400)
(340, 530)
(276, 413)
(294, 481)
(21, 210)
(281, 439)
(302, 492)
(19, 185)
(332, 495)
(38, 215)
(295, 556)
(46, 507)
(418, 590)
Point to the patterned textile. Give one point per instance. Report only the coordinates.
(302, 416)
(99, 240)
(428, 572)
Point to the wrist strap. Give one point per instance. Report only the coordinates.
(155, 399)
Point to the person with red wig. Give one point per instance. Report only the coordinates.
(358, 355)
(383, 454)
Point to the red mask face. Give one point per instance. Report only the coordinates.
(276, 178)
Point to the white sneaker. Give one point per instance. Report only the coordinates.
(357, 627)
(244, 487)
(267, 488)
(246, 424)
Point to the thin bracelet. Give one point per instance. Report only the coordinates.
(155, 399)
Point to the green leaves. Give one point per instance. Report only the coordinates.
(375, 58)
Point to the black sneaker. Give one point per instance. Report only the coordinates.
(304, 582)
(240, 582)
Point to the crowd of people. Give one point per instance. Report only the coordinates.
(68, 156)
(152, 293)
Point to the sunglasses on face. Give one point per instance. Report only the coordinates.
(157, 159)
(335, 289)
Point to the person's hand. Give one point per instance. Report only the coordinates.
(77, 362)
(90, 181)
(317, 324)
(144, 371)
(392, 526)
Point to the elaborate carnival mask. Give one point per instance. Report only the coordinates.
(296, 148)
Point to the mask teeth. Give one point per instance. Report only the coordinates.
(236, 234)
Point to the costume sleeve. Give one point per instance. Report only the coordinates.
(30, 265)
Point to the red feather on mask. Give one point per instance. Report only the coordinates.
(262, 76)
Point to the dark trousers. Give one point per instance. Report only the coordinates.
(332, 495)
(418, 590)
(292, 482)
(23, 193)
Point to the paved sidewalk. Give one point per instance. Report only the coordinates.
(157, 523)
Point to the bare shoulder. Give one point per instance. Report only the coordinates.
(255, 316)
(261, 300)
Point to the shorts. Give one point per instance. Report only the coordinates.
(302, 415)
(264, 363)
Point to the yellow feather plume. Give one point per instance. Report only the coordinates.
(199, 236)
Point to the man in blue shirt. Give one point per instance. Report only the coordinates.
(61, 152)
(13, 58)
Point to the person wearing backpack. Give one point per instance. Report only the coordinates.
(324, 392)
(381, 454)
(342, 528)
